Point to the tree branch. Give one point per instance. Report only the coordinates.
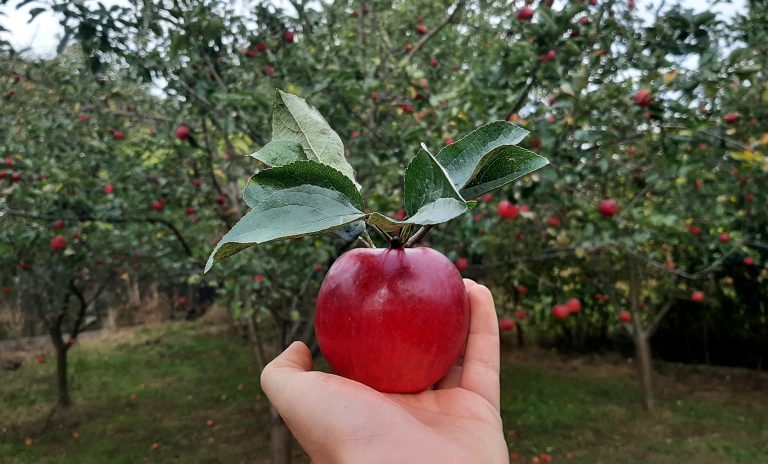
(457, 7)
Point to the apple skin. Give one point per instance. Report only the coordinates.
(697, 296)
(560, 311)
(625, 316)
(573, 305)
(182, 132)
(393, 319)
(507, 210)
(525, 14)
(608, 207)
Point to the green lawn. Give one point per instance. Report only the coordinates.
(184, 374)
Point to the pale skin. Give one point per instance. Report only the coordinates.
(339, 421)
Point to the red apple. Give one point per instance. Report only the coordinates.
(15, 177)
(155, 446)
(158, 205)
(697, 296)
(182, 301)
(584, 21)
(748, 261)
(522, 289)
(190, 210)
(268, 70)
(506, 324)
(29, 442)
(524, 208)
(258, 278)
(694, 230)
(525, 14)
(83, 118)
(608, 207)
(462, 264)
(133, 397)
(535, 142)
(643, 98)
(560, 312)
(393, 319)
(573, 305)
(549, 56)
(725, 237)
(59, 224)
(553, 221)
(544, 457)
(399, 215)
(487, 198)
(118, 134)
(448, 141)
(421, 29)
(210, 423)
(698, 184)
(405, 107)
(261, 47)
(107, 188)
(433, 62)
(221, 199)
(515, 457)
(182, 132)
(41, 359)
(521, 315)
(354, 134)
(625, 316)
(8, 162)
(196, 182)
(507, 210)
(58, 243)
(288, 37)
(731, 118)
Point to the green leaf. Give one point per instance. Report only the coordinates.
(500, 167)
(280, 152)
(293, 119)
(268, 181)
(426, 181)
(487, 158)
(292, 212)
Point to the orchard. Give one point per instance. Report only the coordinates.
(221, 180)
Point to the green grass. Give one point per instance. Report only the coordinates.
(184, 374)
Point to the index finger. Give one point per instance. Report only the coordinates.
(480, 371)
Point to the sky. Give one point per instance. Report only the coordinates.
(41, 36)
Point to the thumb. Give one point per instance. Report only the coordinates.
(281, 372)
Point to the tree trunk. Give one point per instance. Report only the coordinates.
(61, 365)
(641, 337)
(280, 439)
(520, 336)
(645, 369)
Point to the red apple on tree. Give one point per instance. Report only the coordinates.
(625, 316)
(506, 324)
(507, 210)
(288, 37)
(16, 177)
(59, 224)
(522, 289)
(560, 311)
(118, 134)
(107, 188)
(731, 118)
(725, 237)
(521, 315)
(608, 207)
(643, 98)
(182, 132)
(421, 29)
(748, 261)
(525, 14)
(573, 305)
(58, 243)
(697, 296)
(462, 264)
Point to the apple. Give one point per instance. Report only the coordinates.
(393, 319)
(643, 98)
(182, 301)
(725, 237)
(731, 118)
(107, 188)
(261, 47)
(24, 266)
(8, 162)
(506, 324)
(196, 182)
(133, 397)
(405, 107)
(608, 207)
(258, 278)
(697, 296)
(29, 442)
(584, 21)
(155, 446)
(41, 359)
(421, 29)
(544, 457)
(158, 205)
(560, 312)
(625, 316)
(521, 315)
(15, 177)
(182, 132)
(288, 37)
(433, 62)
(250, 52)
(477, 217)
(507, 210)
(118, 134)
(487, 198)
(268, 70)
(190, 210)
(694, 230)
(9, 94)
(535, 142)
(671, 265)
(515, 457)
(210, 423)
(549, 56)
(448, 141)
(747, 196)
(525, 14)
(354, 134)
(408, 47)
(59, 224)
(573, 305)
(462, 264)
(221, 199)
(58, 243)
(83, 118)
(399, 215)
(524, 208)
(697, 185)
(553, 221)
(522, 289)
(748, 261)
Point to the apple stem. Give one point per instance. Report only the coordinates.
(383, 234)
(395, 243)
(366, 239)
(416, 238)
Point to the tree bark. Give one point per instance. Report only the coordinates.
(640, 337)
(61, 364)
(280, 439)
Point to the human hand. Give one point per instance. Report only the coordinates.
(337, 420)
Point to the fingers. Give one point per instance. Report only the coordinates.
(453, 378)
(281, 372)
(480, 371)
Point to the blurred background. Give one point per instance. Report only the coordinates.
(629, 276)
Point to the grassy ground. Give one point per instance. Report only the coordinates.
(185, 374)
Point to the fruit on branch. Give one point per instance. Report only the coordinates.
(525, 14)
(697, 296)
(573, 305)
(507, 210)
(58, 243)
(506, 324)
(462, 264)
(731, 118)
(393, 319)
(625, 316)
(608, 207)
(182, 132)
(560, 311)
